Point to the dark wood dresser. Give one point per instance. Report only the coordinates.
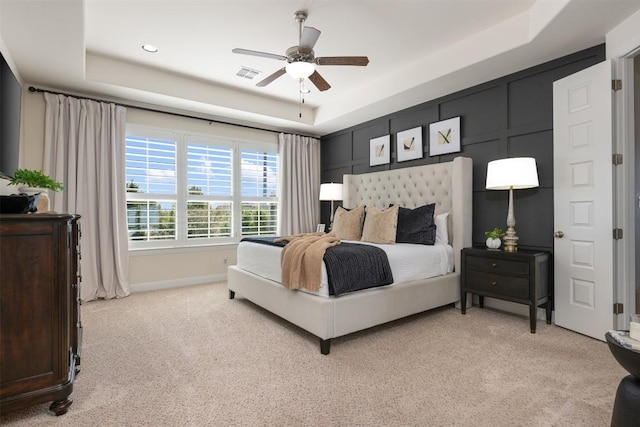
(40, 327)
(523, 277)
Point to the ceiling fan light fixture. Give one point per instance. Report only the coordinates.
(301, 60)
(300, 70)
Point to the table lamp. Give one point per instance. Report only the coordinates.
(331, 192)
(512, 174)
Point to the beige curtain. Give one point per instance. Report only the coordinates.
(84, 149)
(299, 184)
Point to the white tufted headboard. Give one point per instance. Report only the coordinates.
(448, 185)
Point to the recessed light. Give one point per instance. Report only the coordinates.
(149, 48)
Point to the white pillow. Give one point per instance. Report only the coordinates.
(442, 232)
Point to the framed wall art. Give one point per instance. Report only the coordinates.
(409, 144)
(379, 151)
(444, 137)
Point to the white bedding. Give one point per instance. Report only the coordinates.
(408, 262)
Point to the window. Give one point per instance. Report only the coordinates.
(151, 187)
(186, 190)
(259, 187)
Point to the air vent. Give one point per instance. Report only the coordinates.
(248, 73)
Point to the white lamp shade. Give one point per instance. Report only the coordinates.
(331, 191)
(300, 70)
(516, 173)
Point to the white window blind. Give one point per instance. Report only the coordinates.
(259, 176)
(151, 165)
(210, 190)
(185, 190)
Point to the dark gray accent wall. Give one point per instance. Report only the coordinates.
(508, 117)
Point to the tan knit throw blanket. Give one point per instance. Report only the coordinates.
(301, 259)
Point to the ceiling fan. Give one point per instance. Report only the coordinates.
(301, 60)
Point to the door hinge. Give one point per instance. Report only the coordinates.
(616, 84)
(617, 159)
(617, 233)
(618, 308)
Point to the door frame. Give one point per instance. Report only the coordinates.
(624, 184)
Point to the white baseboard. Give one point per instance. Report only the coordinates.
(177, 283)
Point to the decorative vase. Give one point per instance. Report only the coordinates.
(493, 243)
(31, 190)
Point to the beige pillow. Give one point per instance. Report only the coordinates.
(380, 226)
(347, 225)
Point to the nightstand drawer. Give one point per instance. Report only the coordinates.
(498, 266)
(509, 286)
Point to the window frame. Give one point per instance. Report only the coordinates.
(182, 139)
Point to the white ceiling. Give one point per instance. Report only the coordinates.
(418, 50)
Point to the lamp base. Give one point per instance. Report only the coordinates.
(511, 245)
(331, 219)
(510, 239)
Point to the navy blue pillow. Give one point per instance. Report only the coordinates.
(416, 225)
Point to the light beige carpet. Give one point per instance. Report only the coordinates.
(193, 357)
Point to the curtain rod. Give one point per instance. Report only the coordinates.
(33, 89)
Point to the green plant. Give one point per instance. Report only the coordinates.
(496, 233)
(35, 178)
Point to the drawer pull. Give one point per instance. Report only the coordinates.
(494, 264)
(494, 283)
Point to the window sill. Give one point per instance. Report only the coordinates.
(182, 249)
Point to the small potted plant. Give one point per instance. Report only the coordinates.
(493, 238)
(34, 181)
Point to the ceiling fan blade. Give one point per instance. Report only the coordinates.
(309, 37)
(272, 77)
(256, 53)
(319, 82)
(343, 60)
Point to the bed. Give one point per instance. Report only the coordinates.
(448, 185)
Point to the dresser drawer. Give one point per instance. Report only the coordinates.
(509, 286)
(498, 266)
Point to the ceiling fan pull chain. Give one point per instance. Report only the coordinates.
(302, 92)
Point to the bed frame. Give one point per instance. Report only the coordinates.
(449, 185)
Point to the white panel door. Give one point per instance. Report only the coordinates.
(583, 201)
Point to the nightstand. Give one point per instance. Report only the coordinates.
(522, 277)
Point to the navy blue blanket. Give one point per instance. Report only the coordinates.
(264, 241)
(350, 266)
